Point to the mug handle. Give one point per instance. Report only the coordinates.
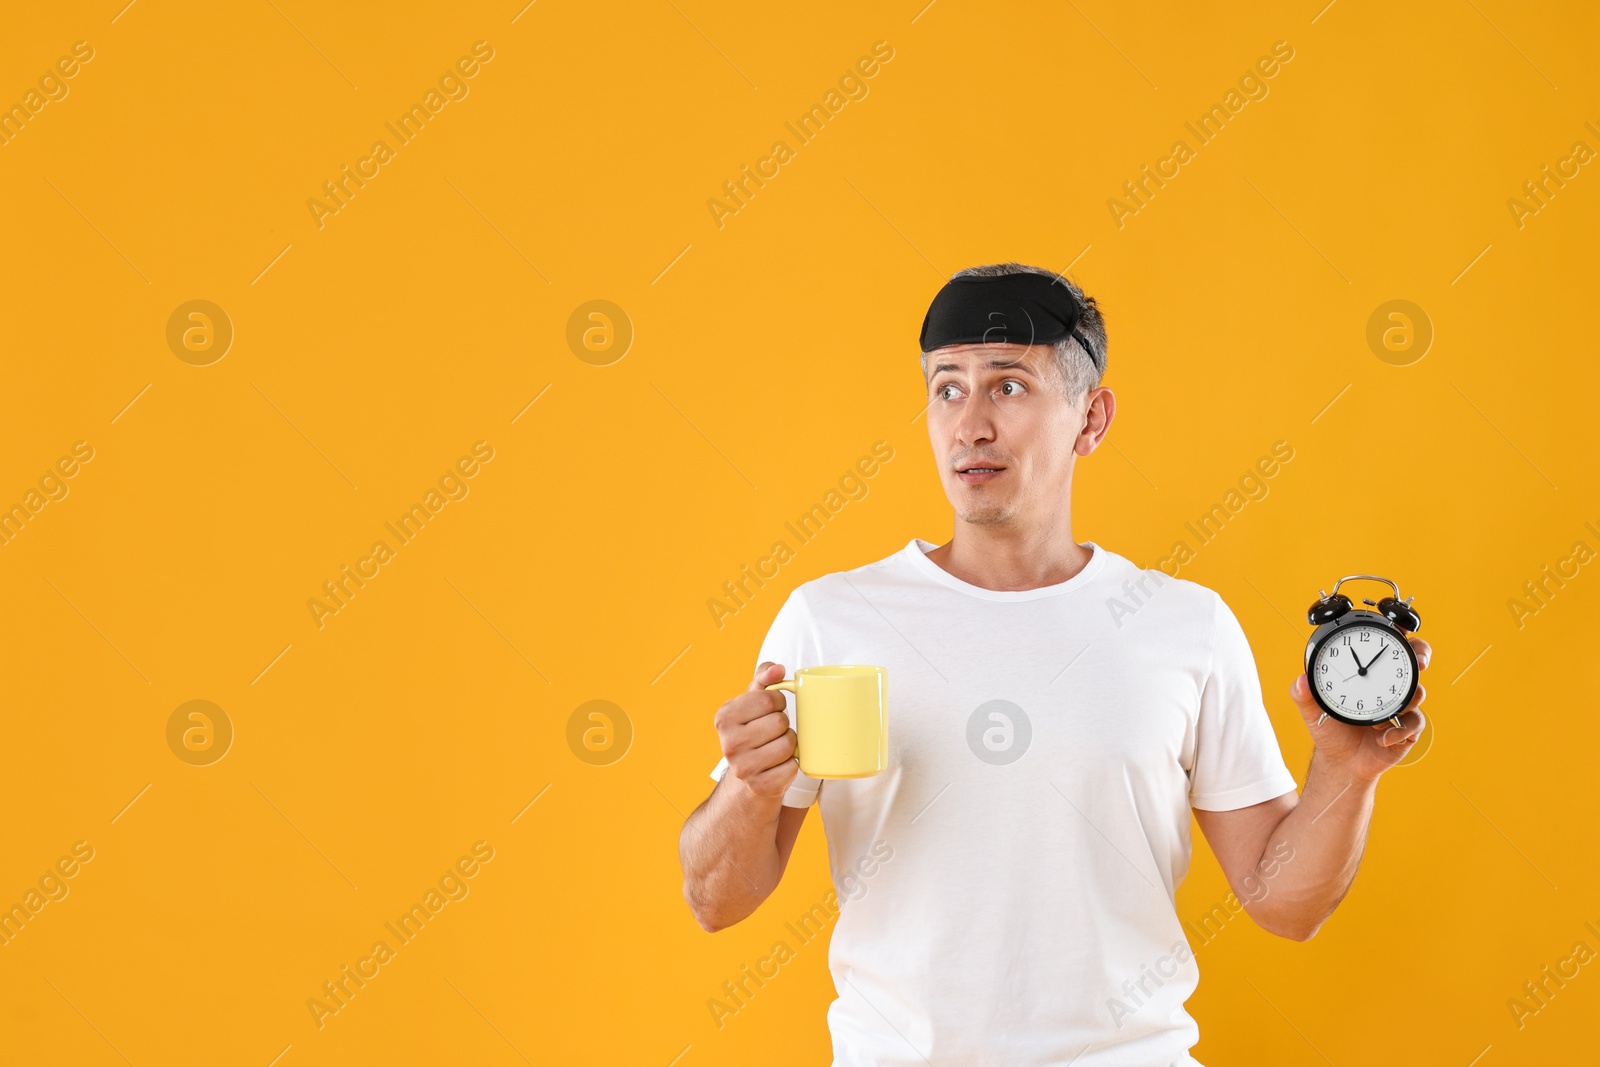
(787, 685)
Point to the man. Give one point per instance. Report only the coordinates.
(1007, 884)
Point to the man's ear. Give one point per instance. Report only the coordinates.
(1100, 409)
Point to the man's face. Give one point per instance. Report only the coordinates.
(1002, 408)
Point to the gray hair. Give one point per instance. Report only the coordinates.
(1077, 367)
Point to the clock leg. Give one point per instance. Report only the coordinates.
(1322, 718)
(1395, 719)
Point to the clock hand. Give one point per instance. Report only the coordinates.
(1362, 669)
(1359, 669)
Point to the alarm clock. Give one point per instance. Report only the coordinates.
(1361, 668)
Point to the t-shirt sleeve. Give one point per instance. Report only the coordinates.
(1237, 760)
(791, 641)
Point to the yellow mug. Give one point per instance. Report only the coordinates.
(841, 719)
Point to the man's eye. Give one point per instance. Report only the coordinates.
(944, 391)
(1010, 382)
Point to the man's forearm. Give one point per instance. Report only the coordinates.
(1326, 831)
(729, 852)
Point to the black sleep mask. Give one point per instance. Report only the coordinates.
(1021, 309)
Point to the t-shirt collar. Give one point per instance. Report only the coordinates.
(916, 551)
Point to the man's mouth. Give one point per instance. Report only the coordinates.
(978, 475)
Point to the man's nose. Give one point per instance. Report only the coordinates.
(976, 422)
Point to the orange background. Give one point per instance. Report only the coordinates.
(767, 355)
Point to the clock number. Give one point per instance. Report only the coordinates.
(1366, 635)
(1323, 668)
(1333, 650)
(1358, 705)
(1395, 654)
(1399, 672)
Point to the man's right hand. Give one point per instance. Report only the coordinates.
(756, 737)
(735, 845)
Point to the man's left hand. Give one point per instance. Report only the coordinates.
(1365, 752)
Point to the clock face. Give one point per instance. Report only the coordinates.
(1363, 672)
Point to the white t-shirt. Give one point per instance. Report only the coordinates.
(1006, 885)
